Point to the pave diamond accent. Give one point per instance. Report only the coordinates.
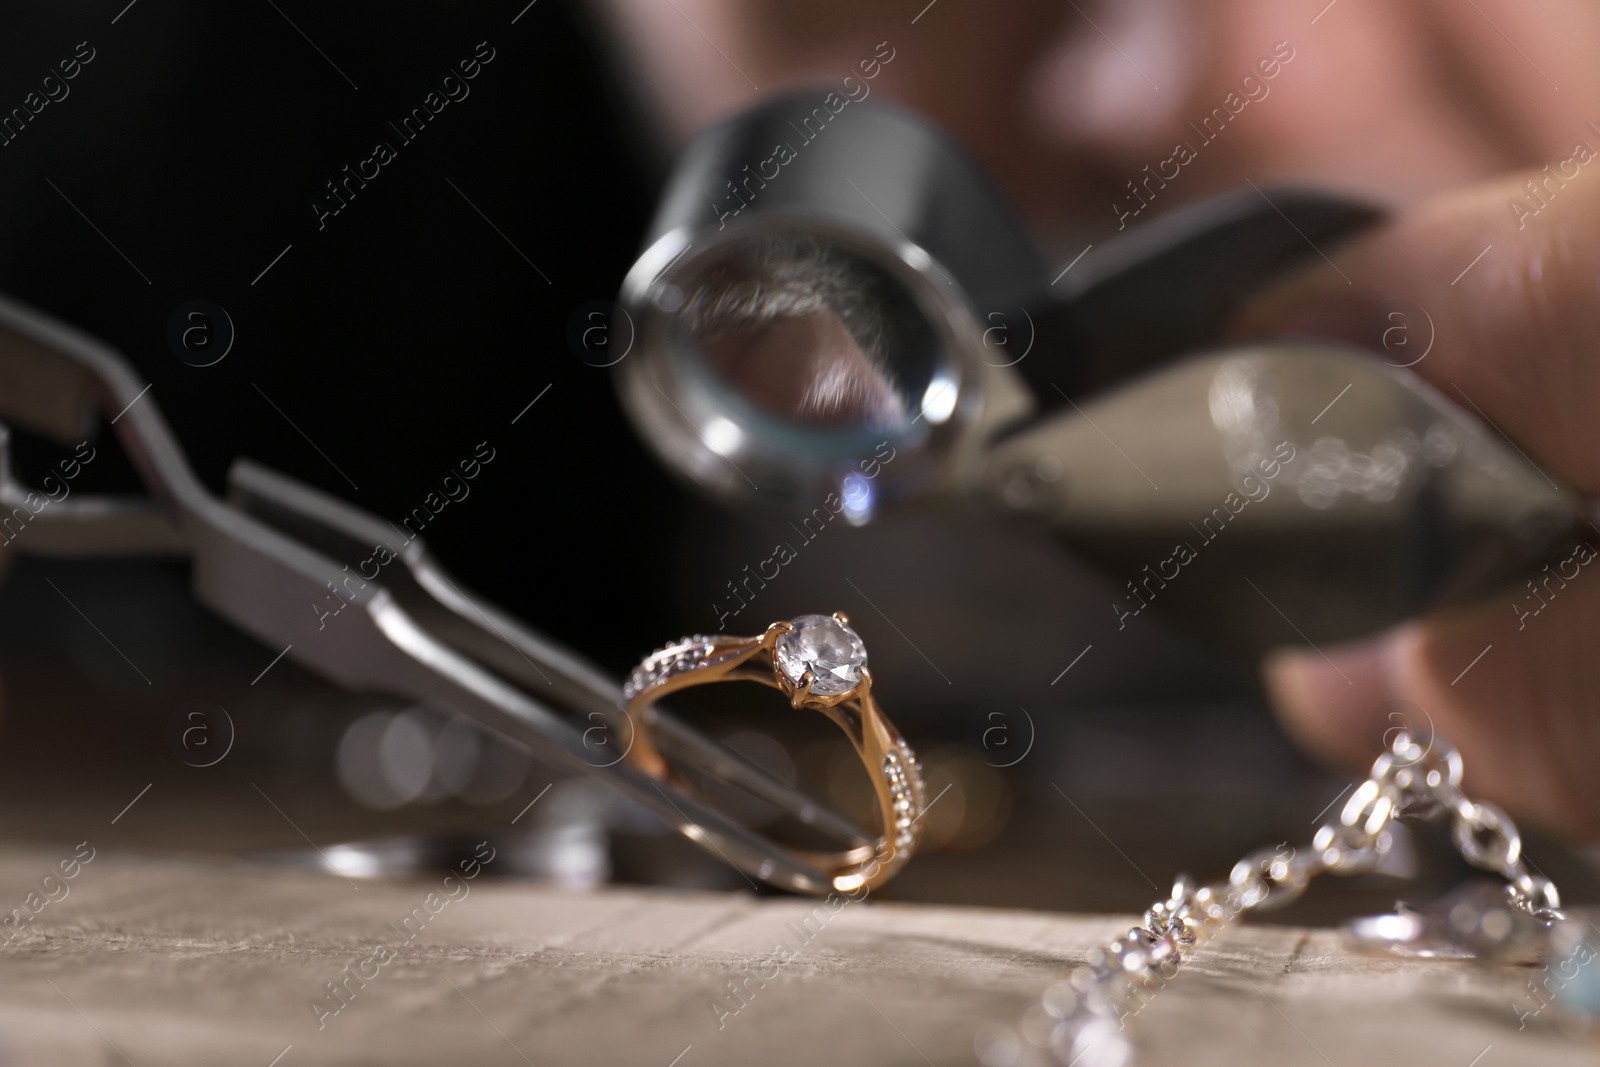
(830, 650)
(681, 655)
(909, 791)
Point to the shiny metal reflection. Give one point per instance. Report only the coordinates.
(572, 855)
(1282, 492)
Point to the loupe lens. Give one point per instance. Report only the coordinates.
(807, 333)
(775, 361)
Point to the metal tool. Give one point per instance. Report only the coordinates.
(820, 289)
(275, 548)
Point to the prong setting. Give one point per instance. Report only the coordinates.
(827, 649)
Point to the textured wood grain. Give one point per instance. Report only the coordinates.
(200, 962)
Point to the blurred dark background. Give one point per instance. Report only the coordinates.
(407, 329)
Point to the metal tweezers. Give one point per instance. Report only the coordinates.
(276, 546)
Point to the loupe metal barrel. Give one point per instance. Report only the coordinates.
(808, 303)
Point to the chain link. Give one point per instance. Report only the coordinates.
(1081, 1020)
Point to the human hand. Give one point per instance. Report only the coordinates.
(1516, 338)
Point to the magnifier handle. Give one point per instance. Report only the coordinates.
(1173, 284)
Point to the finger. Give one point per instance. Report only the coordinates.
(1513, 687)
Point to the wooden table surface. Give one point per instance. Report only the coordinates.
(159, 960)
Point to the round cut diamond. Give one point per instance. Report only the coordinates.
(826, 647)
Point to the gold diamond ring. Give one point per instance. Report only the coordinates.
(819, 663)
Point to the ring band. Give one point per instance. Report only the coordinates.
(818, 662)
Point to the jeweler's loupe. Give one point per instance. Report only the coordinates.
(813, 326)
(841, 303)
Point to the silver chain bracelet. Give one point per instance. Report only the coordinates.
(1080, 1019)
